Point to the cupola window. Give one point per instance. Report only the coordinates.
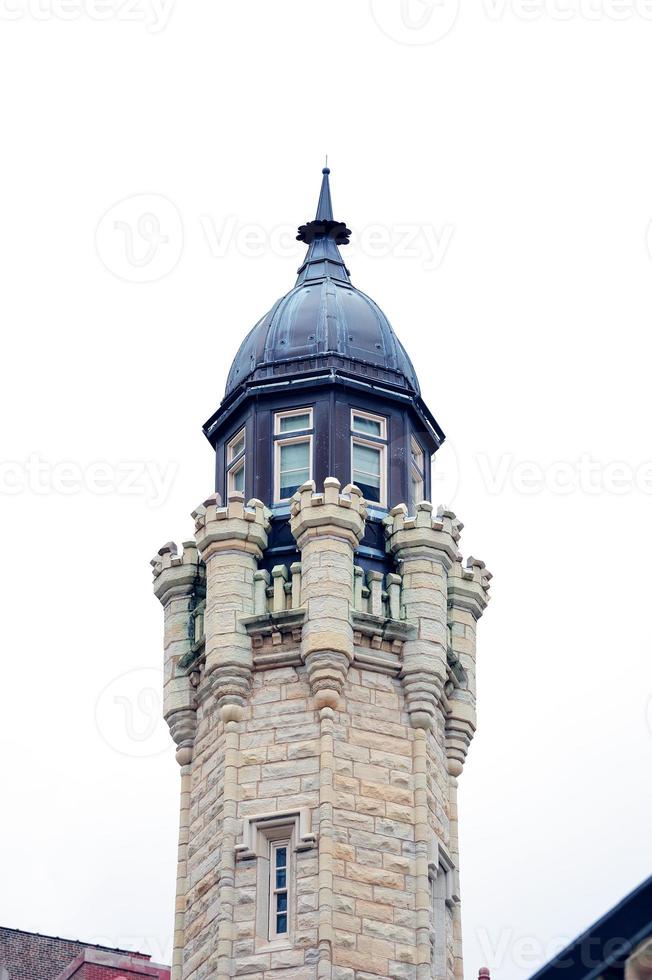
(235, 463)
(292, 451)
(369, 455)
(417, 472)
(294, 423)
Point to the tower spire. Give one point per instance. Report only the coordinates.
(323, 235)
(325, 204)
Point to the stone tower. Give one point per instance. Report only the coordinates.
(320, 657)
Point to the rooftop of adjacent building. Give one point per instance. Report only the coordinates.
(618, 945)
(36, 956)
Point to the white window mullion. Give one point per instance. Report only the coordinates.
(235, 463)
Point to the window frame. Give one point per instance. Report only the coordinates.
(233, 472)
(287, 413)
(236, 462)
(444, 895)
(379, 443)
(362, 413)
(231, 457)
(382, 451)
(294, 437)
(259, 833)
(274, 845)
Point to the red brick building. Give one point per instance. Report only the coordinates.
(31, 956)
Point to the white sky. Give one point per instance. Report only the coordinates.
(522, 144)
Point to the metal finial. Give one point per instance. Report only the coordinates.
(324, 226)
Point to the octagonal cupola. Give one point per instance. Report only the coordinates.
(321, 386)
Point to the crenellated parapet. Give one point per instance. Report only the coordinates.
(327, 527)
(236, 527)
(425, 532)
(231, 540)
(334, 513)
(180, 586)
(468, 595)
(175, 573)
(424, 546)
(468, 586)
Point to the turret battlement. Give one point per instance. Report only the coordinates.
(174, 573)
(336, 511)
(219, 527)
(439, 531)
(469, 584)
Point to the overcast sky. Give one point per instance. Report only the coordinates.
(494, 163)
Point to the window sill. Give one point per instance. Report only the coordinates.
(273, 945)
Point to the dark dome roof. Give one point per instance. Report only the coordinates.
(324, 322)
